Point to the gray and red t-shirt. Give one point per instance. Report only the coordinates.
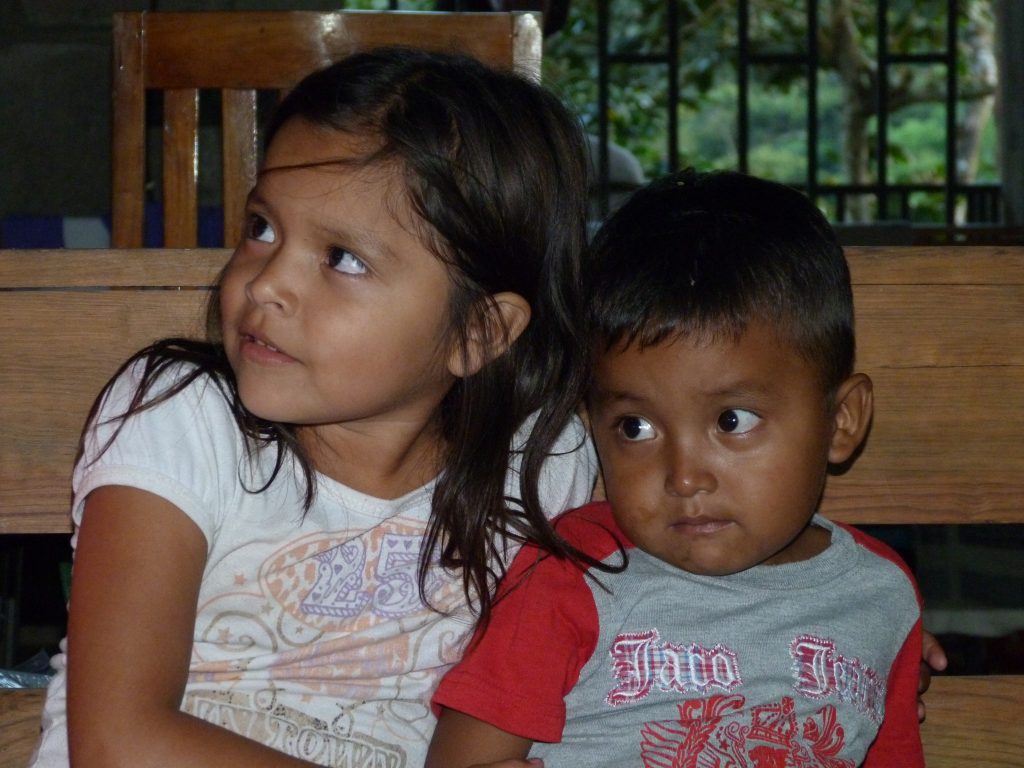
(802, 664)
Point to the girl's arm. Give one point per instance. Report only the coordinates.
(138, 566)
(932, 657)
(463, 741)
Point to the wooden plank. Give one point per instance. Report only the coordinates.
(974, 721)
(936, 266)
(919, 326)
(200, 50)
(98, 268)
(941, 333)
(20, 712)
(72, 340)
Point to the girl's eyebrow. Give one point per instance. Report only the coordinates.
(254, 195)
(366, 241)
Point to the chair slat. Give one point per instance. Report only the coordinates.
(181, 167)
(240, 152)
(129, 133)
(240, 52)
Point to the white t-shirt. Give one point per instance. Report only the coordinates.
(310, 636)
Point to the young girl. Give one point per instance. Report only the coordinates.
(284, 534)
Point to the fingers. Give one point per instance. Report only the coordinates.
(932, 652)
(933, 657)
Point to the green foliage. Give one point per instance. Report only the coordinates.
(708, 95)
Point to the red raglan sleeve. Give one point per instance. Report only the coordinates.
(899, 738)
(516, 673)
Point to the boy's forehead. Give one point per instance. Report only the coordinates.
(721, 360)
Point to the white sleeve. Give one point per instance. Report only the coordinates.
(186, 449)
(568, 474)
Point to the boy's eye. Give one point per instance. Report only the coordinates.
(258, 228)
(345, 261)
(737, 421)
(636, 428)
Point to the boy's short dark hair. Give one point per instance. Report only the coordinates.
(705, 254)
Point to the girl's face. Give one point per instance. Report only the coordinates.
(334, 312)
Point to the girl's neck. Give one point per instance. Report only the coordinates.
(386, 461)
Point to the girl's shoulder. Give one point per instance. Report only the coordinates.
(157, 403)
(153, 379)
(167, 428)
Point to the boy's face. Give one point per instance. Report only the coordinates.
(714, 455)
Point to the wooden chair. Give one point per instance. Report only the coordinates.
(241, 53)
(940, 330)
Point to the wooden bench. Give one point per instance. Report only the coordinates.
(941, 331)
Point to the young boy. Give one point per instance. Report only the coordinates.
(745, 629)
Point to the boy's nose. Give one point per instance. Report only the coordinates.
(688, 474)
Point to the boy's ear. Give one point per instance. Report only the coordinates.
(493, 330)
(854, 404)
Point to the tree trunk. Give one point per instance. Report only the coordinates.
(857, 74)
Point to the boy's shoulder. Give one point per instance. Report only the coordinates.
(592, 530)
(879, 549)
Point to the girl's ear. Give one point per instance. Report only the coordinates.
(854, 404)
(493, 330)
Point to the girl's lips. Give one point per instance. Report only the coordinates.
(256, 350)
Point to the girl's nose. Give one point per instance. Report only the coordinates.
(273, 286)
(688, 473)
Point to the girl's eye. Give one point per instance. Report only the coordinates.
(345, 261)
(258, 228)
(737, 421)
(636, 428)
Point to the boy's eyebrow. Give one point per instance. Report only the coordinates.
(605, 395)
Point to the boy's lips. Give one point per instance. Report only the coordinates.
(700, 524)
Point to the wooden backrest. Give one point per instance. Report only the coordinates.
(240, 53)
(69, 319)
(940, 330)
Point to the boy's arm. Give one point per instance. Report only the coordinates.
(899, 737)
(463, 741)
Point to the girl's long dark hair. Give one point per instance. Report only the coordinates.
(495, 166)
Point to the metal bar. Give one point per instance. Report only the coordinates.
(673, 84)
(882, 110)
(917, 58)
(743, 86)
(952, 172)
(637, 58)
(778, 58)
(812, 99)
(603, 97)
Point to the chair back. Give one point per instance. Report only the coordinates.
(242, 53)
